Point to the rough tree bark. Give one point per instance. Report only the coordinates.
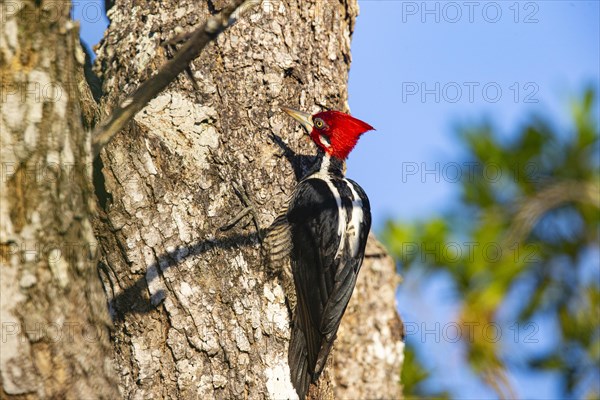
(197, 315)
(55, 341)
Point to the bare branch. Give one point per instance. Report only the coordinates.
(533, 208)
(208, 32)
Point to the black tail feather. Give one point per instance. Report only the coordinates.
(298, 361)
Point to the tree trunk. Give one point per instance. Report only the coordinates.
(196, 313)
(55, 341)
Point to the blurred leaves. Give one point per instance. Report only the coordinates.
(413, 377)
(529, 213)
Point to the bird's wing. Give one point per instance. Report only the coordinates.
(278, 241)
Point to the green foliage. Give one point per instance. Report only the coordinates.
(413, 377)
(529, 213)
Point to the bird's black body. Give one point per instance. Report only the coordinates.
(329, 220)
(318, 242)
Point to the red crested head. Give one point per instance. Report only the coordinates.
(337, 133)
(333, 131)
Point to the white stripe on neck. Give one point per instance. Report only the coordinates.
(325, 163)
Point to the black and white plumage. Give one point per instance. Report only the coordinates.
(330, 220)
(324, 232)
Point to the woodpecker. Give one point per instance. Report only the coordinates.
(323, 232)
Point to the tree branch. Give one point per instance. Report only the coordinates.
(208, 32)
(532, 209)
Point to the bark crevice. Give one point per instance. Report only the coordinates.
(195, 313)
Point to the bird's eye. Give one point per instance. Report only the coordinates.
(319, 123)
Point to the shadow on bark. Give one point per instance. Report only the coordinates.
(136, 299)
(300, 163)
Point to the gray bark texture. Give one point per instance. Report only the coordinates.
(197, 314)
(193, 311)
(55, 326)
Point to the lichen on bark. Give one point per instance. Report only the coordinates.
(196, 313)
(55, 340)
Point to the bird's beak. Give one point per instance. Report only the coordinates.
(304, 118)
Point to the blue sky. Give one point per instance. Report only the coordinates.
(398, 46)
(418, 70)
